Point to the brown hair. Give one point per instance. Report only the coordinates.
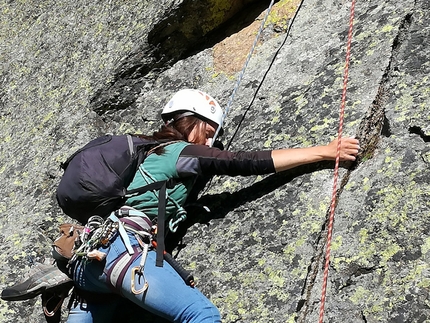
(179, 130)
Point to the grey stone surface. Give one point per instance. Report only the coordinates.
(73, 70)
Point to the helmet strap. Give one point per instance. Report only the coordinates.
(180, 116)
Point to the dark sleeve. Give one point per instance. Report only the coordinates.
(204, 160)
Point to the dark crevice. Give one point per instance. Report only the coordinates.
(386, 129)
(364, 271)
(357, 272)
(371, 126)
(420, 132)
(403, 31)
(313, 270)
(175, 38)
(300, 305)
(363, 317)
(375, 123)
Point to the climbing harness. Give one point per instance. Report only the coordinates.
(336, 169)
(99, 232)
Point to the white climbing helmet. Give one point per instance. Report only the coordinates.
(193, 102)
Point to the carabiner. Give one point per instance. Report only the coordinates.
(173, 225)
(137, 271)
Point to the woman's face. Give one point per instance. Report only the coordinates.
(203, 133)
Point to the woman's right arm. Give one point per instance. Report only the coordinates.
(203, 160)
(284, 159)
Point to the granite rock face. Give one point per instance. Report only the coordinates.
(73, 70)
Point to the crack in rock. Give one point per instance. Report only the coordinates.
(373, 125)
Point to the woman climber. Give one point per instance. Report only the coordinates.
(191, 119)
(127, 269)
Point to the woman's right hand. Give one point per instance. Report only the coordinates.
(349, 148)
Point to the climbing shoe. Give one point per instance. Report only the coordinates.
(42, 277)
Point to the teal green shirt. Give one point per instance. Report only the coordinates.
(185, 162)
(151, 171)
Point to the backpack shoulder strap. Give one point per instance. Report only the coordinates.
(130, 145)
(162, 145)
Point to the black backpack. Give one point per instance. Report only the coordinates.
(96, 176)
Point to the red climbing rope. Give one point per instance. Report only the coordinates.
(336, 169)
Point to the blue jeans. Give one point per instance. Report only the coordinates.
(167, 295)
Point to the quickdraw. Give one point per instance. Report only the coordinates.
(92, 237)
(144, 239)
(137, 272)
